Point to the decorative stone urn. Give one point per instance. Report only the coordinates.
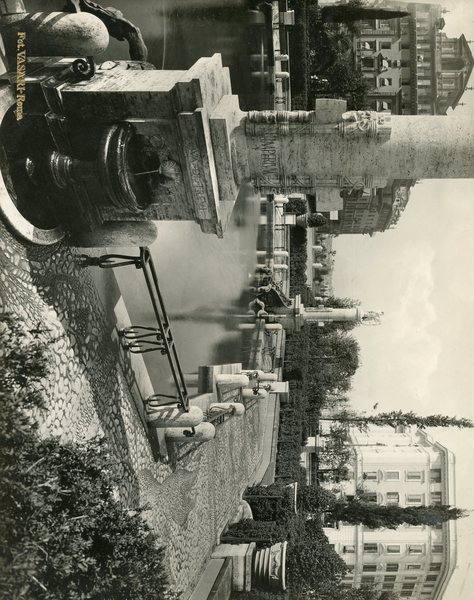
(269, 565)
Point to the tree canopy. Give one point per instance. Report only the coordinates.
(340, 302)
(336, 591)
(398, 418)
(356, 11)
(333, 359)
(374, 516)
(359, 511)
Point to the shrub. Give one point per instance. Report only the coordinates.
(316, 220)
(311, 561)
(257, 594)
(313, 498)
(265, 533)
(63, 536)
(270, 503)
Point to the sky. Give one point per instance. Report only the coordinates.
(421, 275)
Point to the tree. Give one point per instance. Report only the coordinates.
(346, 82)
(398, 418)
(338, 352)
(338, 302)
(374, 516)
(314, 499)
(359, 511)
(334, 456)
(335, 591)
(355, 11)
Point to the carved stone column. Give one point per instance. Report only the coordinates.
(292, 151)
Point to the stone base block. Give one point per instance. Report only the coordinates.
(242, 555)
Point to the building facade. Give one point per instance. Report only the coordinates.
(368, 210)
(410, 64)
(407, 468)
(320, 263)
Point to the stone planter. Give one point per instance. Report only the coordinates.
(268, 569)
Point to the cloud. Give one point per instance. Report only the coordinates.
(411, 348)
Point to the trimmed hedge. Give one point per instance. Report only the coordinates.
(264, 533)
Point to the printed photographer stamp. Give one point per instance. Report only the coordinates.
(20, 74)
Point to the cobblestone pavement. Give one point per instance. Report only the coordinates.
(88, 393)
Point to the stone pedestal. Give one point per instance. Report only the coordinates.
(241, 555)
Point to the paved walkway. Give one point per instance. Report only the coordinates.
(88, 393)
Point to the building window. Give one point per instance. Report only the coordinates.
(393, 498)
(371, 548)
(367, 62)
(371, 497)
(436, 498)
(348, 549)
(437, 548)
(414, 475)
(408, 586)
(385, 81)
(435, 475)
(367, 579)
(393, 549)
(414, 499)
(406, 594)
(371, 476)
(414, 567)
(367, 45)
(369, 567)
(435, 566)
(388, 586)
(385, 46)
(392, 567)
(390, 577)
(415, 549)
(392, 475)
(384, 105)
(431, 577)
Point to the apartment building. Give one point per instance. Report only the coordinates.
(407, 468)
(411, 65)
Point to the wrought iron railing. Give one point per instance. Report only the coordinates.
(141, 339)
